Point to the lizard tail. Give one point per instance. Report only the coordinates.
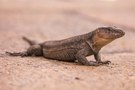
(29, 41)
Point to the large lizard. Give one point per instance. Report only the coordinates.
(74, 48)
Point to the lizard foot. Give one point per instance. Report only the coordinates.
(105, 62)
(93, 63)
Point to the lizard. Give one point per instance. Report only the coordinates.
(74, 48)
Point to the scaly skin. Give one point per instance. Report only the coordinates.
(74, 48)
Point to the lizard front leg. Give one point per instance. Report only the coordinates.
(97, 56)
(81, 57)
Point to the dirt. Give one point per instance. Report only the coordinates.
(44, 23)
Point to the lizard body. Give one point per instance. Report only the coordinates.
(74, 48)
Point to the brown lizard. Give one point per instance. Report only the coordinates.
(74, 48)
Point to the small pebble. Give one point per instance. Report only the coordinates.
(77, 78)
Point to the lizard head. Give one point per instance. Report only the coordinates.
(109, 33)
(105, 35)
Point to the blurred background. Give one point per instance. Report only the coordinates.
(44, 20)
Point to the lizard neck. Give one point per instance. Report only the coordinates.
(98, 42)
(91, 41)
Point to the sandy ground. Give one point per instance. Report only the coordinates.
(59, 19)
